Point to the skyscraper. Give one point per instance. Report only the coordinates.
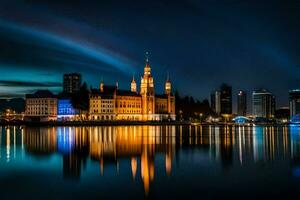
(263, 103)
(226, 99)
(242, 103)
(215, 100)
(71, 83)
(294, 101)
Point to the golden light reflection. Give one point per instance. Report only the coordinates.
(133, 167)
(141, 146)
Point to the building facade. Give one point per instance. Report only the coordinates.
(103, 103)
(263, 103)
(131, 104)
(71, 83)
(41, 106)
(294, 102)
(226, 99)
(242, 103)
(215, 100)
(65, 110)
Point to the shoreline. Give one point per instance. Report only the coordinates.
(93, 123)
(130, 123)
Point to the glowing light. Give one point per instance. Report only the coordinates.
(98, 53)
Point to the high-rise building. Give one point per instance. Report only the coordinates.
(215, 100)
(226, 99)
(294, 101)
(263, 103)
(71, 83)
(242, 103)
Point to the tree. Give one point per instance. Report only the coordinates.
(189, 108)
(80, 100)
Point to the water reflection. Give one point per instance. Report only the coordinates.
(140, 145)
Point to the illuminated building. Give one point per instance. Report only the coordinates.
(128, 105)
(263, 104)
(133, 85)
(71, 83)
(41, 106)
(102, 103)
(112, 103)
(216, 101)
(65, 110)
(294, 102)
(242, 103)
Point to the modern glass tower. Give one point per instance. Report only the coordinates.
(263, 103)
(71, 83)
(294, 101)
(226, 99)
(242, 103)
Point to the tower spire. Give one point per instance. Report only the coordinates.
(101, 84)
(147, 56)
(168, 76)
(133, 84)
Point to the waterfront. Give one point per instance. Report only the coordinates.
(149, 162)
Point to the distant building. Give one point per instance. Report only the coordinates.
(294, 102)
(282, 114)
(242, 103)
(226, 99)
(71, 83)
(111, 103)
(41, 106)
(215, 100)
(263, 104)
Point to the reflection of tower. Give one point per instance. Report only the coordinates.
(147, 92)
(71, 166)
(133, 167)
(147, 169)
(168, 163)
(226, 147)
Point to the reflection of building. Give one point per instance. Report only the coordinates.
(263, 104)
(41, 106)
(294, 101)
(40, 141)
(109, 102)
(242, 103)
(71, 83)
(112, 143)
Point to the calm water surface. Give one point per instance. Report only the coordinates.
(156, 162)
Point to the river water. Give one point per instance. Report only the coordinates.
(154, 162)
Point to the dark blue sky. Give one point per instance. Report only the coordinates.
(248, 44)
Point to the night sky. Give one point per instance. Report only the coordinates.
(247, 44)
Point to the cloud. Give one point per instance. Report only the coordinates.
(8, 83)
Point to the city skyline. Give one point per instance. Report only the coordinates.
(246, 45)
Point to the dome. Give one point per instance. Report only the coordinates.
(241, 119)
